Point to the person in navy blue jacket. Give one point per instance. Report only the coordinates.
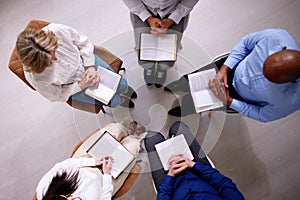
(187, 179)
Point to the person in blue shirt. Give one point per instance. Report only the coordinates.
(260, 77)
(187, 179)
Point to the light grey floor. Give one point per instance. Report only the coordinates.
(262, 159)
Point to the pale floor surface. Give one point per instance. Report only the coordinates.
(262, 159)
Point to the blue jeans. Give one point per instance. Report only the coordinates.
(115, 101)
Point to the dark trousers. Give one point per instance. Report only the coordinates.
(143, 27)
(153, 138)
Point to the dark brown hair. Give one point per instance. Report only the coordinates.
(62, 184)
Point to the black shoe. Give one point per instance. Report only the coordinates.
(175, 111)
(127, 103)
(149, 75)
(130, 93)
(185, 112)
(160, 76)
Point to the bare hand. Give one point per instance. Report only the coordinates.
(90, 78)
(167, 23)
(106, 164)
(178, 164)
(222, 74)
(156, 25)
(217, 86)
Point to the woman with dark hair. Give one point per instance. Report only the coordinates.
(71, 180)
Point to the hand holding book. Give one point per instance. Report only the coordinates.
(174, 146)
(107, 164)
(217, 86)
(179, 163)
(105, 145)
(90, 78)
(106, 87)
(203, 97)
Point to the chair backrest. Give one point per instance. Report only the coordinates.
(16, 67)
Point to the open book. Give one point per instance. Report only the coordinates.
(172, 146)
(107, 145)
(204, 99)
(158, 48)
(109, 82)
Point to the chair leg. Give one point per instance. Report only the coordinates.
(122, 69)
(103, 110)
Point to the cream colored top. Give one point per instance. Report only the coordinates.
(60, 80)
(90, 186)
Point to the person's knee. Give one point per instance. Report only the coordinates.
(151, 139)
(145, 64)
(166, 65)
(122, 86)
(116, 100)
(174, 130)
(179, 124)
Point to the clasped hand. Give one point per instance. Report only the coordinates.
(178, 163)
(219, 86)
(90, 78)
(159, 27)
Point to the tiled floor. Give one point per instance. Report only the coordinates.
(262, 159)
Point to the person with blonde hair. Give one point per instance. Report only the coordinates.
(59, 62)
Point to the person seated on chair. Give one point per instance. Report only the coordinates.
(260, 77)
(187, 179)
(71, 179)
(158, 18)
(59, 62)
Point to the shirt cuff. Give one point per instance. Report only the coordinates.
(76, 88)
(231, 62)
(144, 15)
(89, 61)
(106, 179)
(236, 105)
(175, 17)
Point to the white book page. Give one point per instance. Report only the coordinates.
(148, 48)
(158, 48)
(102, 93)
(107, 145)
(172, 146)
(167, 47)
(108, 78)
(107, 87)
(204, 99)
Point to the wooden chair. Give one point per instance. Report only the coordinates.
(82, 146)
(16, 67)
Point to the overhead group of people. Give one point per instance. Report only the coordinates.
(259, 79)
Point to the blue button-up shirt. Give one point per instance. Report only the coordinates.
(199, 182)
(275, 100)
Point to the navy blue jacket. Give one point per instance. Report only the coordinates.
(199, 182)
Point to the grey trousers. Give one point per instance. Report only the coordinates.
(143, 27)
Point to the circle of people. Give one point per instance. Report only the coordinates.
(259, 79)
